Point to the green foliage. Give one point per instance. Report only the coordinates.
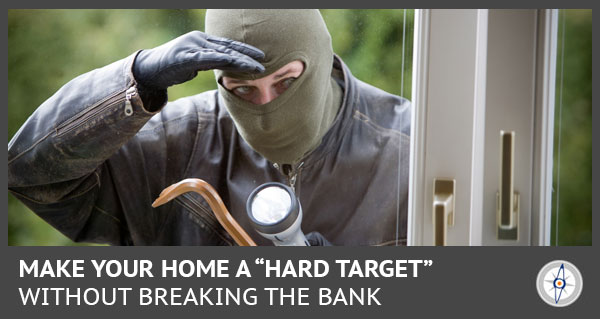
(370, 43)
(47, 48)
(573, 183)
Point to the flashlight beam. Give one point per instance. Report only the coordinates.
(214, 201)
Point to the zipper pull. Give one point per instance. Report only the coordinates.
(132, 91)
(291, 173)
(292, 182)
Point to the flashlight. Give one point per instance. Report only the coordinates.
(276, 214)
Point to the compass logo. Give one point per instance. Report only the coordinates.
(559, 283)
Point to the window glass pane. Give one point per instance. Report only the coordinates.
(376, 45)
(572, 185)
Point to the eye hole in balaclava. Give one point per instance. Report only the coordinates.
(293, 124)
(279, 81)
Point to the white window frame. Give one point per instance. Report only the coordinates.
(449, 97)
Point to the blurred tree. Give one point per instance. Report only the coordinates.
(47, 48)
(572, 217)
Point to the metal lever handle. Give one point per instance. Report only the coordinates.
(443, 209)
(507, 200)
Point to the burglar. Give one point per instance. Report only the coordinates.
(94, 156)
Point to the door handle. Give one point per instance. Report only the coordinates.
(443, 209)
(507, 200)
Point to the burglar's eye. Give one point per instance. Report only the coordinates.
(242, 90)
(283, 85)
(287, 82)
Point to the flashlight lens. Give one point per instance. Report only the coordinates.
(271, 205)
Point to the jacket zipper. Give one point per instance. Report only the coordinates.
(99, 108)
(291, 172)
(131, 92)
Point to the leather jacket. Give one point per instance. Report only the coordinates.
(91, 160)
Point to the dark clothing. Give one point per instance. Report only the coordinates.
(91, 160)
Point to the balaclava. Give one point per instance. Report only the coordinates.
(293, 124)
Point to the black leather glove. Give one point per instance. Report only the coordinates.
(316, 239)
(179, 60)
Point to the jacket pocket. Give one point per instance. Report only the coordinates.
(204, 217)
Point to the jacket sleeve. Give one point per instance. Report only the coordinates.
(57, 161)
